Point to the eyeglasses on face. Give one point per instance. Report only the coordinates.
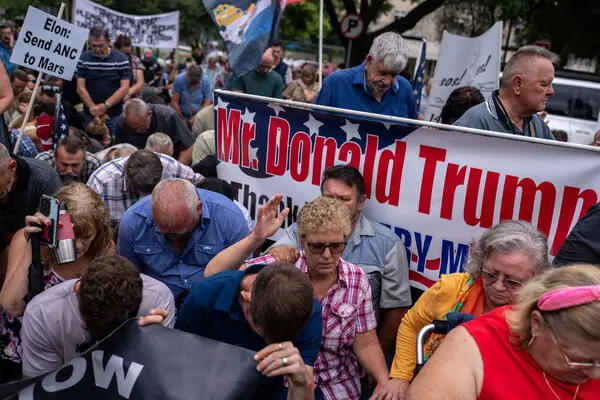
(568, 361)
(319, 248)
(491, 277)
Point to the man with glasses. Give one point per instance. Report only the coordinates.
(140, 120)
(191, 93)
(174, 233)
(262, 81)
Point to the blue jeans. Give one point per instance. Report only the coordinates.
(111, 123)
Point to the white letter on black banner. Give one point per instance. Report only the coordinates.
(114, 366)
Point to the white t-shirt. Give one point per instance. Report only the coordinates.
(52, 329)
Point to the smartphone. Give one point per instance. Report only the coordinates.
(50, 208)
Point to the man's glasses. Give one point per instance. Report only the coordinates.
(568, 361)
(319, 248)
(490, 277)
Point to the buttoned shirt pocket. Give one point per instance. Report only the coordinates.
(341, 325)
(151, 256)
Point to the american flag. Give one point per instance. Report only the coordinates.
(419, 74)
(61, 125)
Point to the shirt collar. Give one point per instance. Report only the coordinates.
(360, 78)
(363, 228)
(228, 300)
(497, 112)
(343, 273)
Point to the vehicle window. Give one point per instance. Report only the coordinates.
(559, 102)
(586, 104)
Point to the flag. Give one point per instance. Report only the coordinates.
(246, 28)
(61, 127)
(419, 75)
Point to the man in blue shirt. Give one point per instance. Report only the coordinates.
(375, 86)
(7, 43)
(191, 92)
(269, 309)
(174, 233)
(103, 77)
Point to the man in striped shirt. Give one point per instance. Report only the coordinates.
(103, 78)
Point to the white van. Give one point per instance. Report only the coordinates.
(574, 108)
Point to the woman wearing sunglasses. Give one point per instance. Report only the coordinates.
(545, 347)
(500, 262)
(349, 337)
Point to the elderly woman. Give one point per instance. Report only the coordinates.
(304, 89)
(93, 238)
(342, 288)
(500, 262)
(546, 347)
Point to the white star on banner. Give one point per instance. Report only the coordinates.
(351, 131)
(387, 125)
(248, 116)
(276, 107)
(221, 103)
(252, 152)
(313, 125)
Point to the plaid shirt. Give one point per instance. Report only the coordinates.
(90, 164)
(347, 310)
(26, 148)
(109, 182)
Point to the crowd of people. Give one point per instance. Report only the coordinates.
(129, 149)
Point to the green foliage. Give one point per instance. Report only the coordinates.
(300, 21)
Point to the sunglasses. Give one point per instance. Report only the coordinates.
(490, 277)
(319, 248)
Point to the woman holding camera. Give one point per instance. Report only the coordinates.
(89, 218)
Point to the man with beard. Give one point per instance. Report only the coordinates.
(103, 78)
(71, 161)
(262, 81)
(524, 90)
(375, 86)
(7, 43)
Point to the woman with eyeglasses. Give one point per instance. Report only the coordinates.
(545, 347)
(343, 289)
(500, 262)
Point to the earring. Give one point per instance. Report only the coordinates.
(530, 341)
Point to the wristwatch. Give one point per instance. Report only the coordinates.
(106, 105)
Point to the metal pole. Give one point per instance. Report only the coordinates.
(348, 53)
(320, 43)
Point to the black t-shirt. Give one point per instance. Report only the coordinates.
(34, 179)
(151, 71)
(583, 243)
(164, 120)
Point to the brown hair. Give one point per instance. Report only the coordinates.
(282, 302)
(143, 171)
(110, 293)
(72, 144)
(96, 128)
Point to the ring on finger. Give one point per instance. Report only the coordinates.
(284, 360)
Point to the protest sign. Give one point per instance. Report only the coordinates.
(438, 190)
(156, 31)
(49, 45)
(134, 363)
(465, 61)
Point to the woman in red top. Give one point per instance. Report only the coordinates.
(547, 347)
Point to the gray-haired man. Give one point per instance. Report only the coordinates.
(375, 86)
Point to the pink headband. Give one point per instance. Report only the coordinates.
(558, 299)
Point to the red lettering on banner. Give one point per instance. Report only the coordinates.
(323, 146)
(369, 165)
(351, 150)
(229, 135)
(486, 219)
(393, 161)
(528, 193)
(432, 156)
(571, 197)
(455, 177)
(248, 135)
(278, 134)
(300, 156)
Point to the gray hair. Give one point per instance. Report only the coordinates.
(520, 62)
(508, 237)
(162, 142)
(135, 107)
(390, 48)
(4, 157)
(172, 196)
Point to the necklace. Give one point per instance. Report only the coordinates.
(554, 393)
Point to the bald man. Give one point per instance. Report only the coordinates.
(262, 81)
(524, 90)
(174, 233)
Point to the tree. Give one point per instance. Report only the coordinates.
(300, 21)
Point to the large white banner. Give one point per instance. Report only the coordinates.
(438, 190)
(465, 61)
(49, 44)
(156, 31)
